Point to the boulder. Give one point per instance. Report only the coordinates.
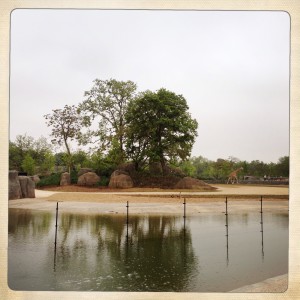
(121, 181)
(88, 179)
(170, 170)
(27, 187)
(14, 186)
(192, 183)
(127, 167)
(84, 170)
(35, 178)
(118, 172)
(65, 179)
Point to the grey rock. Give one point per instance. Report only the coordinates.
(14, 186)
(121, 181)
(88, 179)
(65, 179)
(84, 170)
(27, 187)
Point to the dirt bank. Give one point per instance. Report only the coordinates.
(221, 189)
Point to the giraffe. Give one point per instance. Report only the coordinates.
(233, 176)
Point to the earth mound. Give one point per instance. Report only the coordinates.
(193, 183)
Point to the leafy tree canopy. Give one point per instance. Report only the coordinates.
(28, 164)
(160, 127)
(103, 113)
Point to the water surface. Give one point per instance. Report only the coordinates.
(152, 253)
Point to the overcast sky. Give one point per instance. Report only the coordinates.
(231, 67)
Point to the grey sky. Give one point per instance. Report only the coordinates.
(232, 68)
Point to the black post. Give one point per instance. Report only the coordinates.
(226, 224)
(127, 222)
(262, 228)
(184, 209)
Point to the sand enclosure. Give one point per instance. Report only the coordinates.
(240, 199)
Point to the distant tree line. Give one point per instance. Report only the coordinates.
(37, 156)
(203, 168)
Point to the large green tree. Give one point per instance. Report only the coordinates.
(103, 113)
(160, 128)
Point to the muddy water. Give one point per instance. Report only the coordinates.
(152, 253)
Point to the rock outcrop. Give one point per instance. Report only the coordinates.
(14, 186)
(65, 179)
(27, 187)
(84, 170)
(127, 167)
(35, 178)
(88, 179)
(121, 181)
(118, 172)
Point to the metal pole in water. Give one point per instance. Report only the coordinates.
(184, 209)
(226, 214)
(262, 228)
(127, 212)
(226, 225)
(127, 206)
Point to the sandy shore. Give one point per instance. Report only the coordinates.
(240, 199)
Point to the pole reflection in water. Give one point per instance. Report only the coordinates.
(226, 225)
(184, 218)
(262, 228)
(55, 241)
(127, 220)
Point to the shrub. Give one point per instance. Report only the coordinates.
(74, 177)
(53, 179)
(28, 164)
(104, 181)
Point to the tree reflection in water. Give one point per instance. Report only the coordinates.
(27, 222)
(157, 255)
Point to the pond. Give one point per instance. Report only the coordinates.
(157, 253)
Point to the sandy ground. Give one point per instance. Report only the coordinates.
(241, 198)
